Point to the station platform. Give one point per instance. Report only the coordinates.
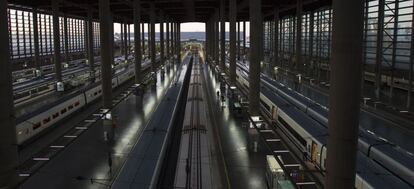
(89, 161)
(244, 163)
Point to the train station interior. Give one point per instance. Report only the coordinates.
(200, 94)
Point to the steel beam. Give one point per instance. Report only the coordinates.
(223, 36)
(167, 32)
(276, 38)
(244, 38)
(36, 39)
(394, 46)
(152, 44)
(106, 54)
(56, 40)
(256, 31)
(179, 42)
(143, 37)
(299, 64)
(91, 54)
(233, 17)
(410, 67)
(8, 147)
(238, 41)
(344, 93)
(161, 21)
(125, 44)
(137, 40)
(379, 52)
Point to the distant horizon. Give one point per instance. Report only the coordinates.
(200, 35)
(186, 27)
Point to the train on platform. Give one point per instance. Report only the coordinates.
(75, 76)
(376, 164)
(31, 125)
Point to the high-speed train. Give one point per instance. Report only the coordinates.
(393, 158)
(310, 136)
(35, 88)
(30, 125)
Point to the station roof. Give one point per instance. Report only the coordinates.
(173, 10)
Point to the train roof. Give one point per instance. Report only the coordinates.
(317, 131)
(377, 176)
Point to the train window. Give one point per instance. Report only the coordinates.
(265, 105)
(70, 107)
(99, 91)
(77, 103)
(63, 111)
(36, 125)
(21, 95)
(46, 120)
(294, 133)
(43, 88)
(95, 93)
(55, 115)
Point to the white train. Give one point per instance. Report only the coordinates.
(34, 123)
(310, 137)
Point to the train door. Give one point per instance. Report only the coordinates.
(314, 151)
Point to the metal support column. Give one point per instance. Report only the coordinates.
(394, 46)
(232, 19)
(56, 40)
(125, 44)
(129, 39)
(256, 25)
(172, 41)
(299, 64)
(238, 41)
(206, 40)
(66, 33)
(36, 40)
(244, 39)
(153, 53)
(122, 38)
(137, 40)
(167, 32)
(410, 67)
(91, 54)
(8, 147)
(223, 36)
(149, 39)
(344, 93)
(311, 62)
(106, 54)
(179, 42)
(162, 58)
(379, 52)
(143, 37)
(217, 33)
(276, 38)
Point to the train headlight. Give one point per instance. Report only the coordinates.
(108, 116)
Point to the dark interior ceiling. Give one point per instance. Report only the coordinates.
(173, 10)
